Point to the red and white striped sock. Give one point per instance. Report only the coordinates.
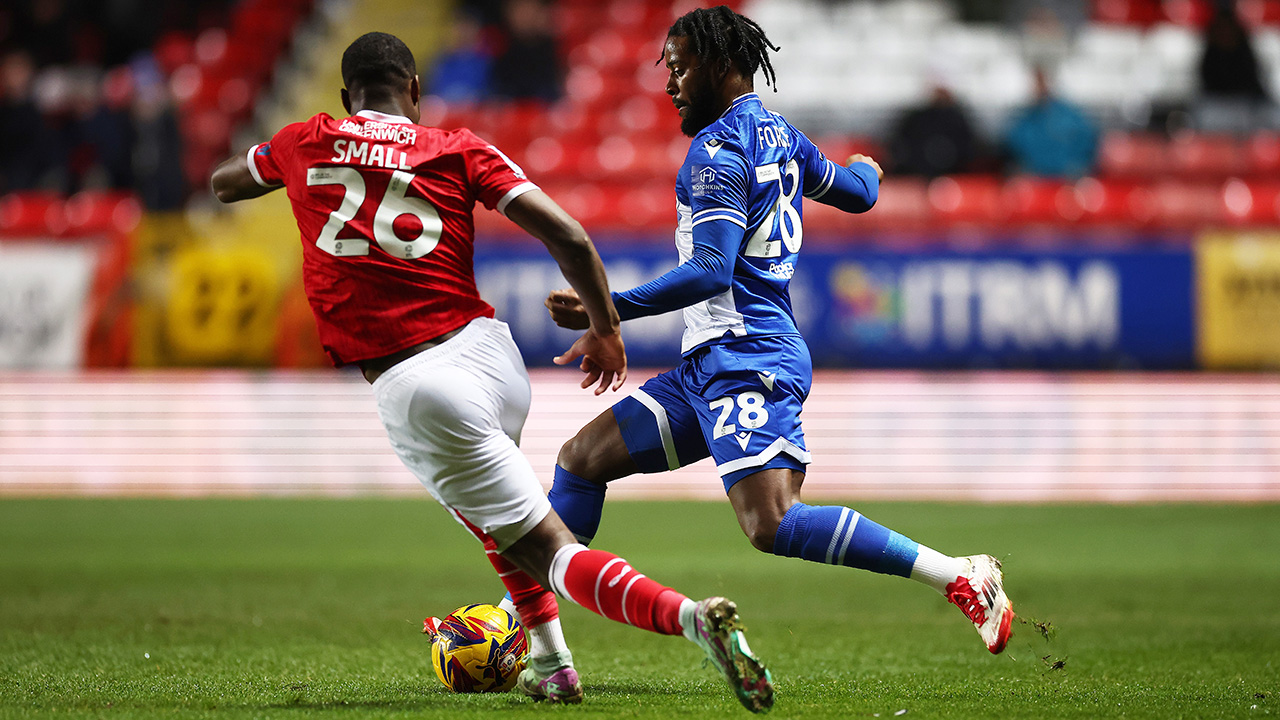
(535, 606)
(607, 585)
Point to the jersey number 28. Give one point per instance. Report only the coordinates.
(394, 204)
(764, 243)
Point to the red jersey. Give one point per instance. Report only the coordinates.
(384, 209)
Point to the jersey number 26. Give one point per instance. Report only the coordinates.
(394, 204)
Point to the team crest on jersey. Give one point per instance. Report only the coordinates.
(704, 180)
(712, 147)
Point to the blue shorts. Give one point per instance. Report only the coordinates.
(738, 402)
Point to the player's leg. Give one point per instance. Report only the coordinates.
(652, 430)
(609, 586)
(752, 426)
(454, 415)
(769, 510)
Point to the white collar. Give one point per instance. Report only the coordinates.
(383, 117)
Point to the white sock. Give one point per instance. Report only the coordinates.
(510, 606)
(937, 570)
(546, 638)
(687, 623)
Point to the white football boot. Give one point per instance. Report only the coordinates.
(979, 594)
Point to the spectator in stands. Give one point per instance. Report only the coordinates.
(22, 131)
(106, 131)
(1228, 66)
(529, 67)
(934, 139)
(461, 73)
(1051, 137)
(157, 155)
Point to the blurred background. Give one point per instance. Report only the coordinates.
(1070, 287)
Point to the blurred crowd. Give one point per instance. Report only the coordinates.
(85, 102)
(87, 99)
(499, 49)
(1051, 136)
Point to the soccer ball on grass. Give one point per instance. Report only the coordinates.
(477, 648)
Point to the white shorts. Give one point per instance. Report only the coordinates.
(454, 414)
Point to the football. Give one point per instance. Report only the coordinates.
(477, 648)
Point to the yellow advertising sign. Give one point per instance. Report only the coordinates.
(1238, 296)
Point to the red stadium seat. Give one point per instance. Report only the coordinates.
(95, 212)
(32, 214)
(1127, 12)
(1262, 154)
(903, 203)
(1112, 202)
(1201, 157)
(966, 199)
(1125, 154)
(1188, 204)
(1194, 13)
(1036, 200)
(1251, 203)
(1255, 13)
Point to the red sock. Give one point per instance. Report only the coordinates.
(607, 585)
(536, 604)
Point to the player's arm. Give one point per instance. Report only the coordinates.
(853, 188)
(232, 180)
(601, 348)
(706, 274)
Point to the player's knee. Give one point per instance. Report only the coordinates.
(592, 459)
(575, 456)
(761, 531)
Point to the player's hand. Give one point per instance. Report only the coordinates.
(859, 157)
(603, 358)
(567, 310)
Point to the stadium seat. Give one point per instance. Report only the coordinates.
(92, 212)
(1193, 13)
(1129, 12)
(1262, 154)
(1251, 202)
(1180, 204)
(966, 199)
(32, 214)
(1115, 203)
(1124, 154)
(1196, 156)
(1038, 201)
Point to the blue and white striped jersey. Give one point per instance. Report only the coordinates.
(751, 168)
(738, 199)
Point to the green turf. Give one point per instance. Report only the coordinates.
(312, 608)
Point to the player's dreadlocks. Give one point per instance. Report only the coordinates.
(719, 33)
(377, 61)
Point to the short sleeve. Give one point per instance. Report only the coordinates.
(268, 160)
(495, 178)
(719, 181)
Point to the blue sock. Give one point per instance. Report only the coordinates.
(578, 502)
(839, 536)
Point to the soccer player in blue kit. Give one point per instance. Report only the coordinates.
(745, 371)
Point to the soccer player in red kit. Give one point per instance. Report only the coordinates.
(384, 210)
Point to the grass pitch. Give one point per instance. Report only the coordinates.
(312, 608)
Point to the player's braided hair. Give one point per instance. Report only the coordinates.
(719, 33)
(377, 60)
